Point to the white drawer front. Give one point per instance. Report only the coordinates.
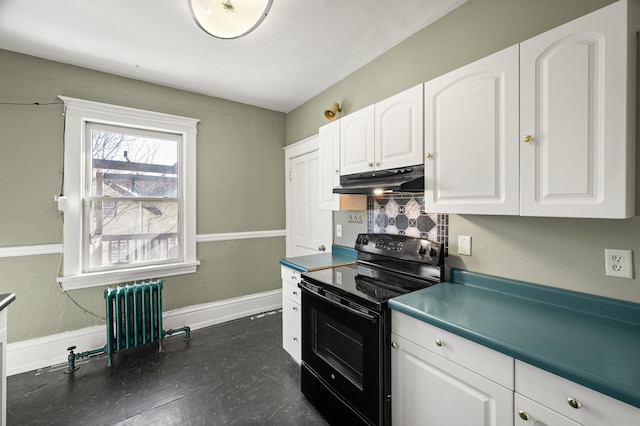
(531, 413)
(291, 290)
(491, 364)
(290, 275)
(552, 391)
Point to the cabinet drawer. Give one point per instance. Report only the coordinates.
(291, 290)
(488, 363)
(531, 413)
(554, 392)
(290, 275)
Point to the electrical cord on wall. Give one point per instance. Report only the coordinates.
(30, 103)
(85, 310)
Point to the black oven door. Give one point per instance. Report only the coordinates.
(342, 349)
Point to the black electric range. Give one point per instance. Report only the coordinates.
(346, 324)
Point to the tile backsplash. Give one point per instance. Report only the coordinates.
(405, 214)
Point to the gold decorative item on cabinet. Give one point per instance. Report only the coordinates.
(330, 114)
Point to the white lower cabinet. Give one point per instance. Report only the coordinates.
(551, 400)
(433, 381)
(291, 313)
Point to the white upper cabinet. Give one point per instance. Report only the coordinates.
(330, 173)
(329, 165)
(356, 142)
(386, 135)
(577, 108)
(571, 151)
(398, 130)
(471, 133)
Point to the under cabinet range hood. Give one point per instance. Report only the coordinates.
(403, 179)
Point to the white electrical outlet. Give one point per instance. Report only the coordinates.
(338, 231)
(618, 263)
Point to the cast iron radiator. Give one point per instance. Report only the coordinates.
(134, 318)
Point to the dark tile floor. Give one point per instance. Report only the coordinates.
(234, 373)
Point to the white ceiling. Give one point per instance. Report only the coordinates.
(302, 47)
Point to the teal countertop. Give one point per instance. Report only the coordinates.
(591, 340)
(339, 256)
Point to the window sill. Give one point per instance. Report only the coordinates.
(95, 279)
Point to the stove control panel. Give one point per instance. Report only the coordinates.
(401, 247)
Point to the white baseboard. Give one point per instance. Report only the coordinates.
(52, 350)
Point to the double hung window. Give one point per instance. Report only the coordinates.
(129, 190)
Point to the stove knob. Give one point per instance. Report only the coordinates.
(365, 241)
(433, 252)
(422, 250)
(358, 240)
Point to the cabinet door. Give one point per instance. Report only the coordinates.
(529, 413)
(291, 328)
(356, 142)
(329, 165)
(399, 130)
(471, 134)
(573, 105)
(427, 389)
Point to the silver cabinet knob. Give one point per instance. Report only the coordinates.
(439, 342)
(394, 345)
(524, 415)
(322, 248)
(574, 403)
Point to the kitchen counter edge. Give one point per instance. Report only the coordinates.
(340, 255)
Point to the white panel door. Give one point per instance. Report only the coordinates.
(427, 389)
(471, 138)
(329, 165)
(398, 130)
(356, 142)
(573, 106)
(310, 226)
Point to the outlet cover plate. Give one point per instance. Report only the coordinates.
(464, 245)
(618, 263)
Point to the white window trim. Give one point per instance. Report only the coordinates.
(77, 113)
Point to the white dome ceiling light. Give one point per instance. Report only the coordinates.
(229, 19)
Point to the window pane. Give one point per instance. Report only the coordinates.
(130, 232)
(127, 164)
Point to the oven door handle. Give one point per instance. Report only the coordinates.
(372, 318)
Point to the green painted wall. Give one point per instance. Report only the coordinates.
(470, 32)
(240, 180)
(566, 253)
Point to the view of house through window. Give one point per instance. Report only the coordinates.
(132, 199)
